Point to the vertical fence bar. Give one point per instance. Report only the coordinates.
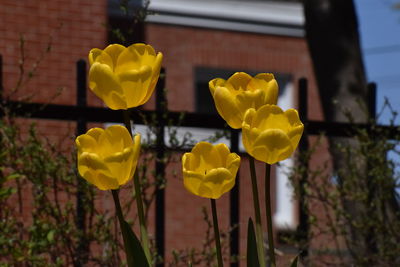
(81, 94)
(81, 102)
(303, 228)
(161, 111)
(234, 196)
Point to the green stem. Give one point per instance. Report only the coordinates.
(216, 232)
(139, 202)
(256, 203)
(143, 231)
(269, 213)
(121, 224)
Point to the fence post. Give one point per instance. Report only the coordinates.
(234, 204)
(303, 228)
(161, 111)
(81, 102)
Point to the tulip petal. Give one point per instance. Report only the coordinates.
(93, 164)
(102, 58)
(86, 143)
(104, 83)
(208, 156)
(214, 83)
(239, 80)
(136, 153)
(271, 146)
(114, 139)
(223, 152)
(267, 83)
(227, 107)
(190, 161)
(228, 185)
(104, 182)
(127, 60)
(93, 54)
(114, 50)
(204, 191)
(95, 133)
(297, 126)
(246, 128)
(270, 117)
(156, 74)
(295, 135)
(293, 117)
(250, 99)
(249, 117)
(135, 56)
(215, 181)
(120, 165)
(92, 161)
(233, 163)
(101, 181)
(116, 101)
(146, 53)
(192, 181)
(136, 84)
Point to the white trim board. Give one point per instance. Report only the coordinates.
(263, 17)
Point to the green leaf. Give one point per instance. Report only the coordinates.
(6, 192)
(50, 236)
(13, 176)
(294, 262)
(252, 256)
(134, 250)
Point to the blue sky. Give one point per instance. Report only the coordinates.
(379, 25)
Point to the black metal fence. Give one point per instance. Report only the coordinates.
(82, 114)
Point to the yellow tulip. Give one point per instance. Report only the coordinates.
(107, 158)
(240, 92)
(209, 170)
(124, 77)
(270, 134)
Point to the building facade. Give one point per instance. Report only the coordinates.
(200, 40)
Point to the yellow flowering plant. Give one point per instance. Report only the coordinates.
(107, 158)
(209, 170)
(124, 77)
(233, 97)
(270, 134)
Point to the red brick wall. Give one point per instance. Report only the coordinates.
(71, 27)
(185, 48)
(74, 27)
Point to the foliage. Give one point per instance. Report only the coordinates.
(206, 255)
(367, 233)
(51, 217)
(39, 218)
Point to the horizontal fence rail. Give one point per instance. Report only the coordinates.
(184, 119)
